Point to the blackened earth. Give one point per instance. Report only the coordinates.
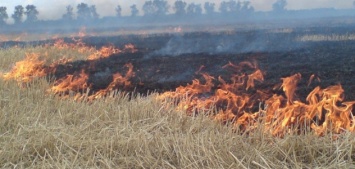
(161, 64)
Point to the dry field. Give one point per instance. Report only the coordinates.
(41, 130)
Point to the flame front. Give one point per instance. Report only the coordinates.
(324, 112)
(77, 83)
(28, 69)
(234, 100)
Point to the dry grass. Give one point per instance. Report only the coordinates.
(39, 130)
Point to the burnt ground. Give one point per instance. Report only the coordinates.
(164, 62)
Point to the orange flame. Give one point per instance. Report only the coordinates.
(289, 86)
(324, 111)
(130, 48)
(104, 52)
(33, 67)
(71, 83)
(228, 101)
(28, 69)
(119, 82)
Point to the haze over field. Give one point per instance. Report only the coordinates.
(54, 9)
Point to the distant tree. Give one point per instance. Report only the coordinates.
(246, 7)
(236, 7)
(209, 7)
(162, 7)
(3, 15)
(94, 14)
(69, 15)
(31, 13)
(194, 9)
(155, 7)
(179, 7)
(18, 14)
(230, 7)
(279, 6)
(134, 10)
(224, 7)
(84, 12)
(118, 11)
(148, 8)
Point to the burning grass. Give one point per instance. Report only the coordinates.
(127, 130)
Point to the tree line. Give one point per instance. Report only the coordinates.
(151, 8)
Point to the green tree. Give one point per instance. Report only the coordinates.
(279, 6)
(18, 14)
(69, 15)
(134, 10)
(209, 7)
(194, 9)
(155, 7)
(31, 13)
(118, 11)
(94, 14)
(148, 8)
(162, 7)
(246, 7)
(84, 12)
(179, 7)
(3, 15)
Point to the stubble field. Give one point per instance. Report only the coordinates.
(130, 126)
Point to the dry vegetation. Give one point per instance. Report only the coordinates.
(40, 130)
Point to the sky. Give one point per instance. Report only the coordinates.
(54, 9)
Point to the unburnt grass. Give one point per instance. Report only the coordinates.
(41, 130)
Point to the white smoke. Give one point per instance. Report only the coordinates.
(54, 9)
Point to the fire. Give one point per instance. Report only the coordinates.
(235, 101)
(82, 32)
(238, 99)
(104, 52)
(71, 83)
(119, 82)
(130, 48)
(77, 83)
(28, 69)
(77, 44)
(289, 86)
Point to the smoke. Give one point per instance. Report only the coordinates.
(243, 42)
(56, 8)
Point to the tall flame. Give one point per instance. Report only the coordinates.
(28, 69)
(77, 83)
(236, 100)
(323, 112)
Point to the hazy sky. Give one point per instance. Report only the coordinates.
(53, 9)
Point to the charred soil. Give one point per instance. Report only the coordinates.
(166, 61)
